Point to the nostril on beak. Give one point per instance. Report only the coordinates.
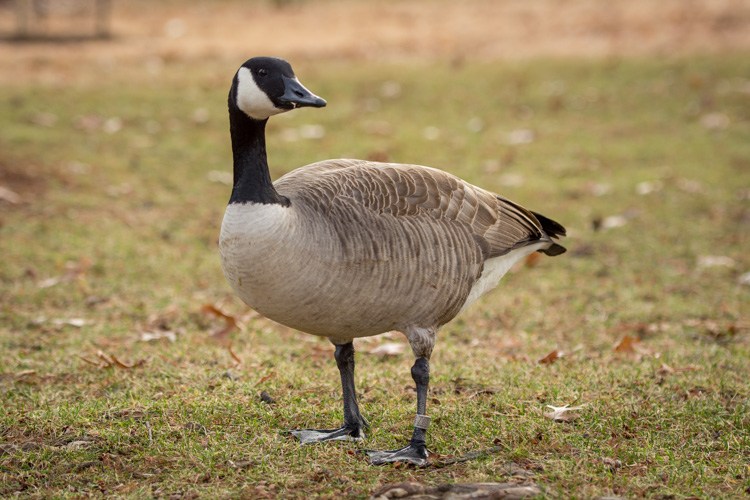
(299, 93)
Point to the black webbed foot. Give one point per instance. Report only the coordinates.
(415, 454)
(343, 433)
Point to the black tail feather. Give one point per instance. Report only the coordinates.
(552, 228)
(554, 249)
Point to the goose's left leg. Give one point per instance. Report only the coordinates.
(354, 423)
(422, 341)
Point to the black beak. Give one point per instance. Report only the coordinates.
(297, 96)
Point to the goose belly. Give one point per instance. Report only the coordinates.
(313, 278)
(495, 268)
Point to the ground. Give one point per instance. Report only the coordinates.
(629, 123)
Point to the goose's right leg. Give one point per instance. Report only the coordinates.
(354, 423)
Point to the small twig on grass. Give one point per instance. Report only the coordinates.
(150, 434)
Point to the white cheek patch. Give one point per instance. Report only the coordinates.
(251, 99)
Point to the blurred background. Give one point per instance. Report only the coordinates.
(626, 120)
(146, 35)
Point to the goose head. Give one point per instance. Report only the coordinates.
(266, 86)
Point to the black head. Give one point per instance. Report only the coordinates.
(266, 86)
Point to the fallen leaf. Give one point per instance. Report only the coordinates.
(110, 360)
(707, 261)
(73, 270)
(9, 196)
(98, 364)
(76, 322)
(230, 322)
(158, 335)
(562, 413)
(665, 369)
(240, 464)
(483, 391)
(388, 349)
(551, 357)
(121, 364)
(265, 378)
(613, 221)
(647, 187)
(77, 445)
(627, 344)
(236, 358)
(49, 282)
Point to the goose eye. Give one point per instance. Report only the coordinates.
(262, 72)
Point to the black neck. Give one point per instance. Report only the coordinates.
(252, 180)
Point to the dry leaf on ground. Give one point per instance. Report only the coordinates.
(628, 344)
(562, 413)
(665, 369)
(388, 349)
(73, 270)
(708, 261)
(6, 194)
(75, 322)
(551, 357)
(265, 378)
(109, 360)
(237, 360)
(230, 322)
(158, 335)
(24, 373)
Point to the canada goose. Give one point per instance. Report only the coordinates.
(349, 248)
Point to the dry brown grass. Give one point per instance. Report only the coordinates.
(146, 34)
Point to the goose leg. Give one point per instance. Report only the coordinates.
(354, 423)
(416, 452)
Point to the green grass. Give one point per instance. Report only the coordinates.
(134, 216)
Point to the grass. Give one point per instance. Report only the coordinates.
(118, 209)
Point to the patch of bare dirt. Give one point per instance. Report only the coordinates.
(150, 33)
